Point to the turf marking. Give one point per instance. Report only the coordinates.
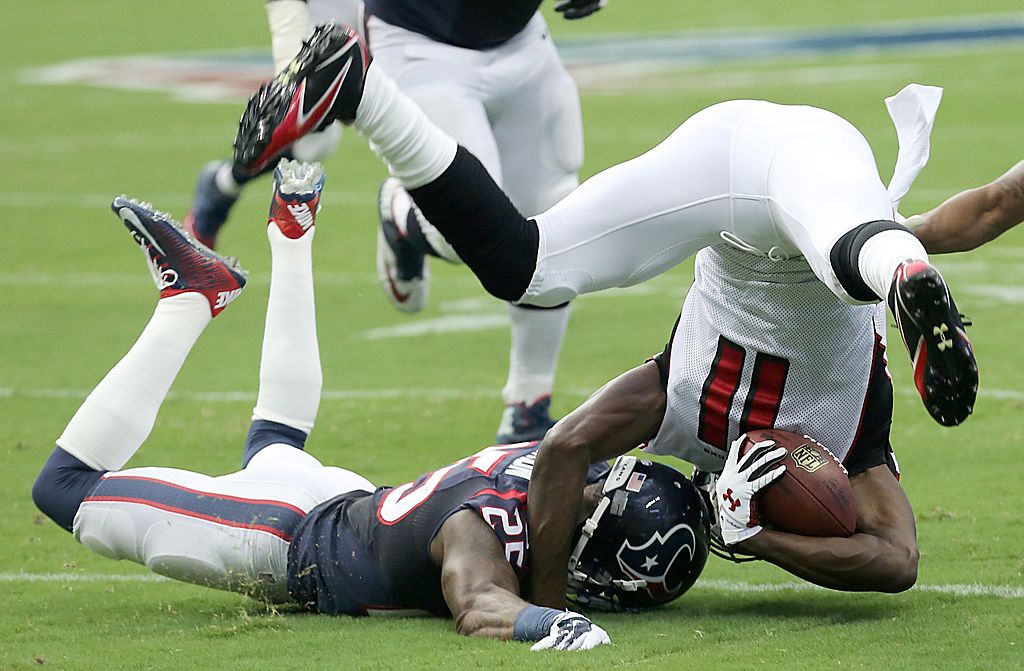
(599, 62)
(241, 396)
(447, 324)
(48, 199)
(964, 589)
(729, 586)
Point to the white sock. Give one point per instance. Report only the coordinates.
(289, 25)
(536, 341)
(883, 253)
(290, 375)
(416, 150)
(117, 417)
(225, 180)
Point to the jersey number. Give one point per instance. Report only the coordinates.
(763, 398)
(401, 501)
(515, 551)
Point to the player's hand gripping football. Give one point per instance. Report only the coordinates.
(740, 480)
(578, 9)
(572, 631)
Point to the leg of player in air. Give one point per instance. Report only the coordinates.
(517, 110)
(220, 182)
(229, 532)
(759, 176)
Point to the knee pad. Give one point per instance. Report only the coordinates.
(845, 258)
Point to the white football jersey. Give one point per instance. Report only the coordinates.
(763, 343)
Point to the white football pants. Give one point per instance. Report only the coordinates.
(229, 532)
(515, 107)
(779, 180)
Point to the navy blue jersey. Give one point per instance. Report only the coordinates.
(361, 552)
(471, 24)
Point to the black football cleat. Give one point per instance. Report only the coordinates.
(210, 206)
(945, 372)
(322, 84)
(178, 262)
(523, 423)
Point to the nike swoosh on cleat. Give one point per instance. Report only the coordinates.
(399, 296)
(128, 215)
(338, 54)
(332, 93)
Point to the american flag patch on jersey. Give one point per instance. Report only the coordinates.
(636, 481)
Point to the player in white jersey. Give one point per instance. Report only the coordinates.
(798, 243)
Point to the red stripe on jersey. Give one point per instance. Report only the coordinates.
(191, 513)
(719, 390)
(765, 396)
(510, 494)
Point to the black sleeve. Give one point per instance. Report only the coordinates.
(663, 359)
(483, 226)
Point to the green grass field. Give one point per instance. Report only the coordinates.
(75, 295)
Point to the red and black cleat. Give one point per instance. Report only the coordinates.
(297, 188)
(945, 372)
(178, 262)
(322, 84)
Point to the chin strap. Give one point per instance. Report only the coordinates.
(612, 496)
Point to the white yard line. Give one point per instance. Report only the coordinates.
(730, 586)
(243, 396)
(47, 199)
(1001, 591)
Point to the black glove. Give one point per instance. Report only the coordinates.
(578, 9)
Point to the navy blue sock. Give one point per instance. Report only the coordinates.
(264, 432)
(62, 485)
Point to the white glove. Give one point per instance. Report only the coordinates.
(737, 485)
(572, 631)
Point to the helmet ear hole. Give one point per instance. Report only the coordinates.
(645, 544)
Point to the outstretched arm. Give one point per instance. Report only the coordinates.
(973, 217)
(617, 418)
(479, 585)
(482, 592)
(881, 556)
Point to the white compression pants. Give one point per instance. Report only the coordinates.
(229, 532)
(785, 180)
(515, 107)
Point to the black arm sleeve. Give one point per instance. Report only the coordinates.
(483, 226)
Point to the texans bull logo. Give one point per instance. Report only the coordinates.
(652, 560)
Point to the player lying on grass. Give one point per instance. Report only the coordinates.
(796, 250)
(286, 528)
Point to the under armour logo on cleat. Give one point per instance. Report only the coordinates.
(225, 297)
(941, 331)
(302, 215)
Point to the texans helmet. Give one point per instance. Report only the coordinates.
(646, 542)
